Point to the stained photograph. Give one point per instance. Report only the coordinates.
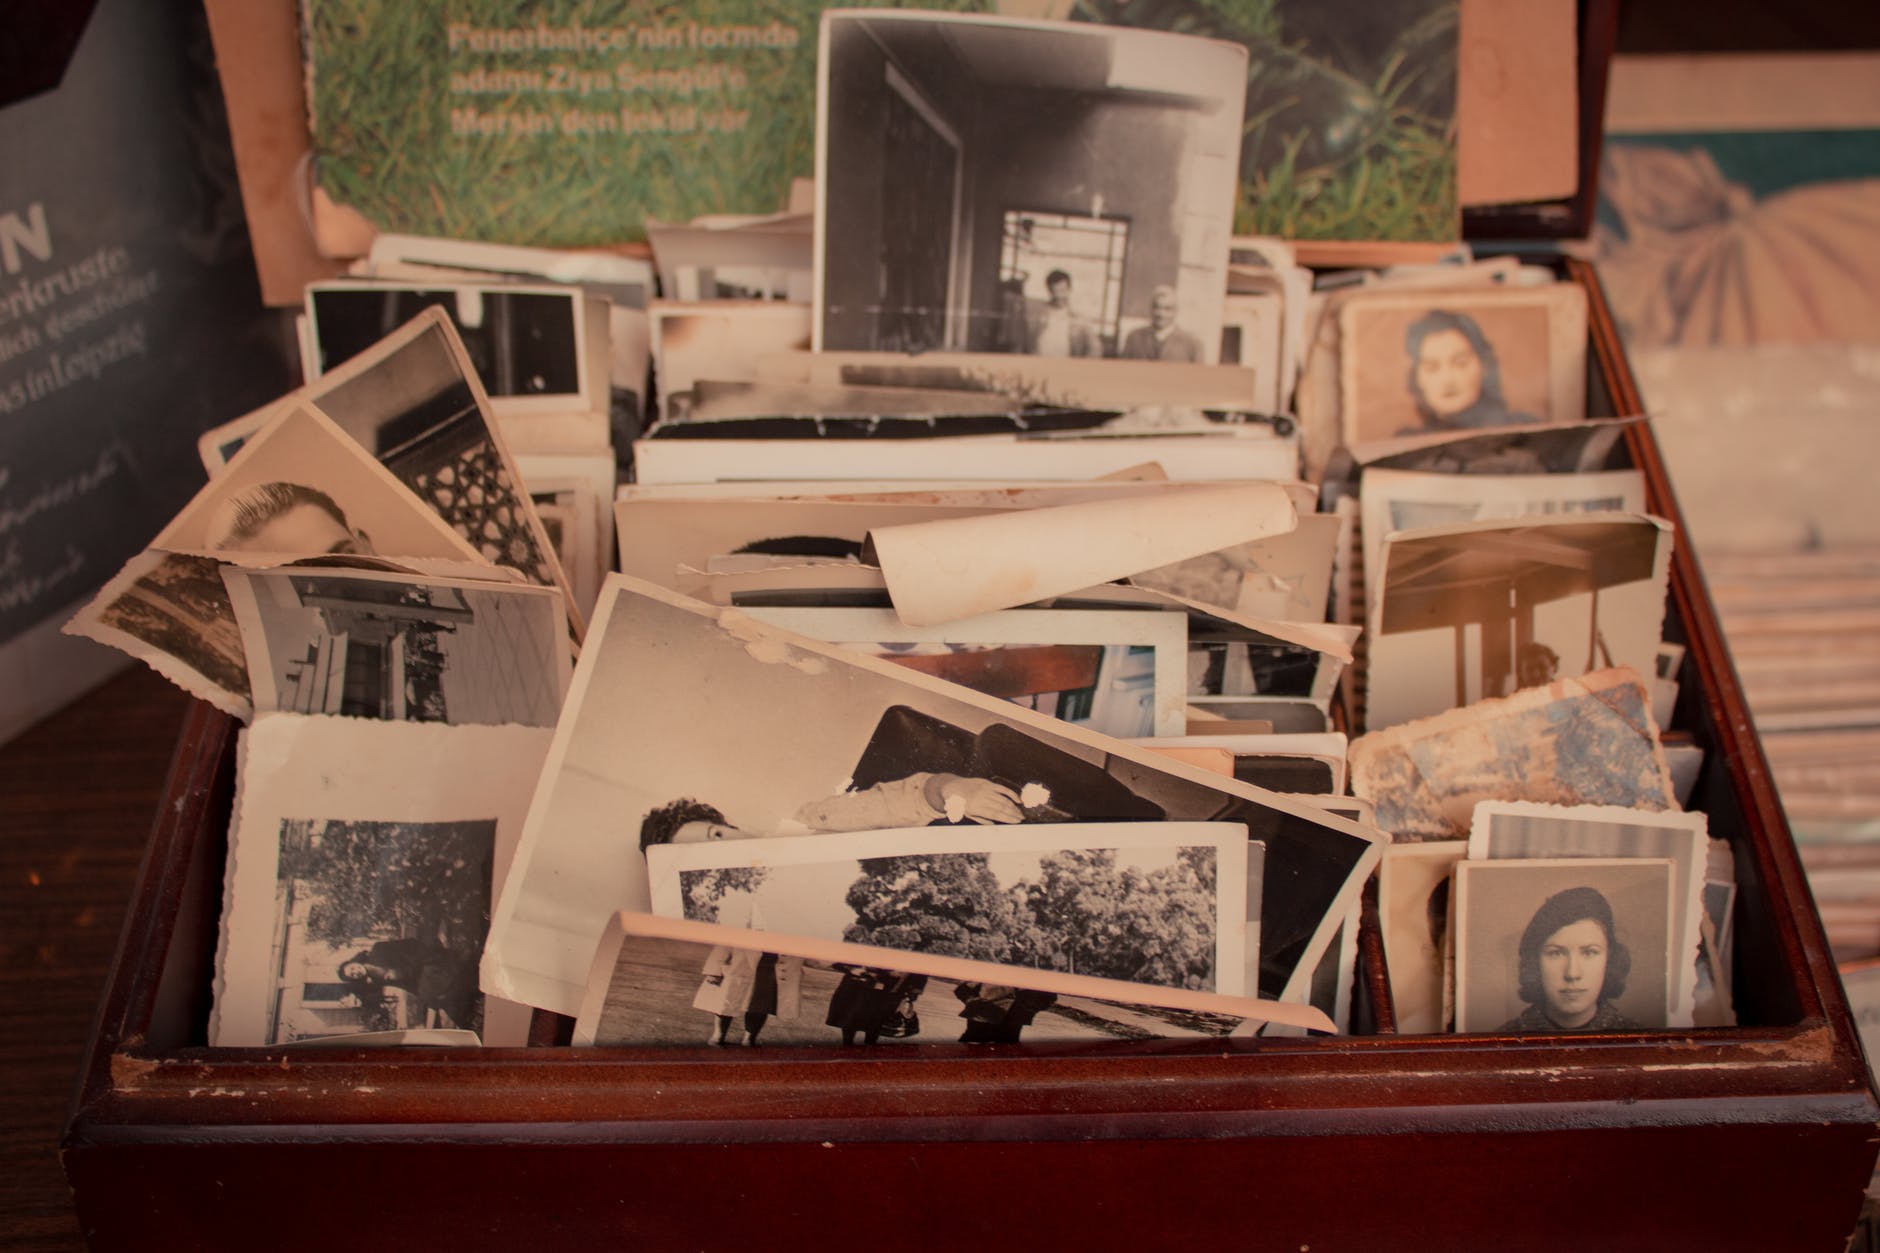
(993, 185)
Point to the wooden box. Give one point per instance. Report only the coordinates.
(1756, 1137)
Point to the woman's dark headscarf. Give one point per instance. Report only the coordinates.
(1489, 409)
(1563, 909)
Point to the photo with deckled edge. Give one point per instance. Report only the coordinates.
(1508, 830)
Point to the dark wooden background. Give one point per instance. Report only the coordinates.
(77, 793)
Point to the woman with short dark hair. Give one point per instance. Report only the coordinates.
(1572, 966)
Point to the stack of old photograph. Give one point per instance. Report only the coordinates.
(987, 601)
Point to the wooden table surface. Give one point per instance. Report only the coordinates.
(77, 794)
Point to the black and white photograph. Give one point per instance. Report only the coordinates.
(989, 458)
(996, 185)
(740, 259)
(1562, 945)
(674, 700)
(381, 925)
(300, 487)
(359, 886)
(1161, 903)
(671, 541)
(1505, 830)
(1414, 362)
(414, 403)
(625, 284)
(1479, 610)
(364, 644)
(172, 613)
(1251, 331)
(1584, 741)
(1119, 672)
(662, 982)
(1245, 660)
(1409, 500)
(1575, 447)
(535, 349)
(718, 340)
(570, 516)
(1288, 577)
(1413, 887)
(585, 481)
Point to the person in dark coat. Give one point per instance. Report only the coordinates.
(436, 978)
(861, 1003)
(996, 1014)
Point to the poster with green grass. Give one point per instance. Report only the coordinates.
(561, 123)
(568, 123)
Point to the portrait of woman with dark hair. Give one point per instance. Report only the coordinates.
(1455, 376)
(1572, 966)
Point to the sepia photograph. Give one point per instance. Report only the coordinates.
(1119, 672)
(1409, 500)
(677, 700)
(1478, 610)
(530, 344)
(1573, 945)
(1162, 902)
(1413, 886)
(1288, 576)
(1504, 830)
(364, 644)
(1414, 362)
(1251, 330)
(172, 613)
(996, 185)
(665, 982)
(1584, 741)
(359, 888)
(719, 340)
(299, 487)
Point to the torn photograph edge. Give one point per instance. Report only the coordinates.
(352, 770)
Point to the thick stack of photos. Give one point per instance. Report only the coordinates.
(1014, 608)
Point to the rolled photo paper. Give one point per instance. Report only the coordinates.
(940, 571)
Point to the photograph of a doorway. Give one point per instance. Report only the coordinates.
(995, 185)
